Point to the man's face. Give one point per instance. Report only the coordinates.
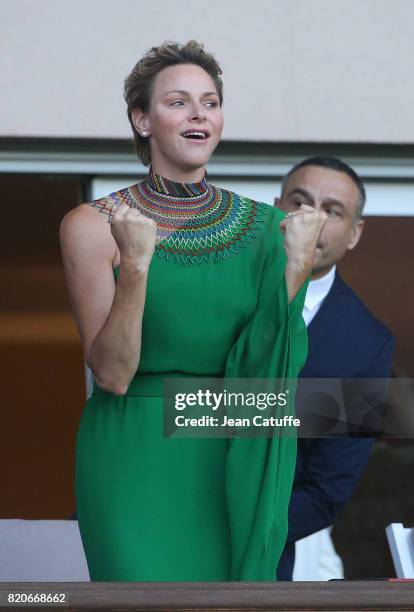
(336, 194)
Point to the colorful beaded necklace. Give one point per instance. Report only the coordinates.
(196, 222)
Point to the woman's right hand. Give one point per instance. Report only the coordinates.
(135, 235)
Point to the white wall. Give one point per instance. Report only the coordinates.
(294, 70)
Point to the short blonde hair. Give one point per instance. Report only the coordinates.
(139, 84)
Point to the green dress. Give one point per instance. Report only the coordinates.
(153, 508)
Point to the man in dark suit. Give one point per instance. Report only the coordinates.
(345, 341)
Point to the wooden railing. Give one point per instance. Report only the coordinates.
(241, 596)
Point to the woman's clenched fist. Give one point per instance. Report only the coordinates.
(135, 235)
(302, 230)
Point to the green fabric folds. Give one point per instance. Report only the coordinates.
(152, 508)
(259, 471)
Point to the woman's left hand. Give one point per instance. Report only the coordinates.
(302, 230)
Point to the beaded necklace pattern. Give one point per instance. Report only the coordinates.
(196, 222)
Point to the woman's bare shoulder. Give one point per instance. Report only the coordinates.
(88, 214)
(86, 230)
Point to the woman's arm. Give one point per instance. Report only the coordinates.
(108, 315)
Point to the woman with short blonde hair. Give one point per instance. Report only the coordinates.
(186, 281)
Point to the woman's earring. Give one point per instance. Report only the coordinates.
(144, 133)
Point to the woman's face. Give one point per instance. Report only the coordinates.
(184, 122)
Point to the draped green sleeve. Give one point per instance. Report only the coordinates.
(259, 471)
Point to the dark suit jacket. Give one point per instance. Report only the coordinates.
(345, 341)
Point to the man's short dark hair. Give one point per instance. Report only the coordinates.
(331, 163)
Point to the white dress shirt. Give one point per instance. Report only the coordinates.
(315, 555)
(316, 293)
